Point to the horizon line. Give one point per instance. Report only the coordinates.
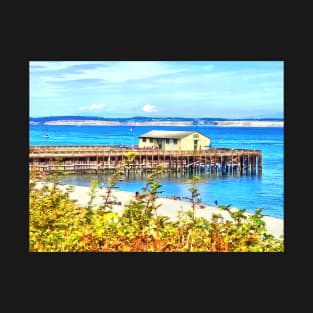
(140, 116)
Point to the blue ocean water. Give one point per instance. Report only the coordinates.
(245, 192)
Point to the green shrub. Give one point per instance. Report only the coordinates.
(59, 224)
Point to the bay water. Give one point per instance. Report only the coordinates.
(264, 191)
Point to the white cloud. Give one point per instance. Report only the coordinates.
(149, 108)
(91, 107)
(113, 72)
(44, 66)
(96, 106)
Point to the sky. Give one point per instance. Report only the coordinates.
(226, 89)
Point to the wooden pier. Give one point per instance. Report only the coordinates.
(107, 158)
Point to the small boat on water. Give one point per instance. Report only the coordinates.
(46, 135)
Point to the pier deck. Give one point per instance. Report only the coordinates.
(107, 158)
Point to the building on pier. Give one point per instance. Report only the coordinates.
(174, 140)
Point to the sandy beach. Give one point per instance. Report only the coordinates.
(168, 207)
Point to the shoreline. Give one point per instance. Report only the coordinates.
(169, 207)
(241, 123)
(247, 123)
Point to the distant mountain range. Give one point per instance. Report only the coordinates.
(141, 119)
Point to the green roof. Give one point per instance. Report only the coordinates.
(167, 134)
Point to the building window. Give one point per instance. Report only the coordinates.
(151, 140)
(143, 139)
(175, 141)
(167, 141)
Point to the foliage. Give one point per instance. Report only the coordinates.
(58, 224)
(117, 174)
(194, 198)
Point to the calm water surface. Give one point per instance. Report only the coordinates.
(249, 192)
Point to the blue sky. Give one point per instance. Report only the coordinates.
(229, 89)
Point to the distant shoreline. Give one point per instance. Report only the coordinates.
(241, 123)
(113, 123)
(248, 123)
